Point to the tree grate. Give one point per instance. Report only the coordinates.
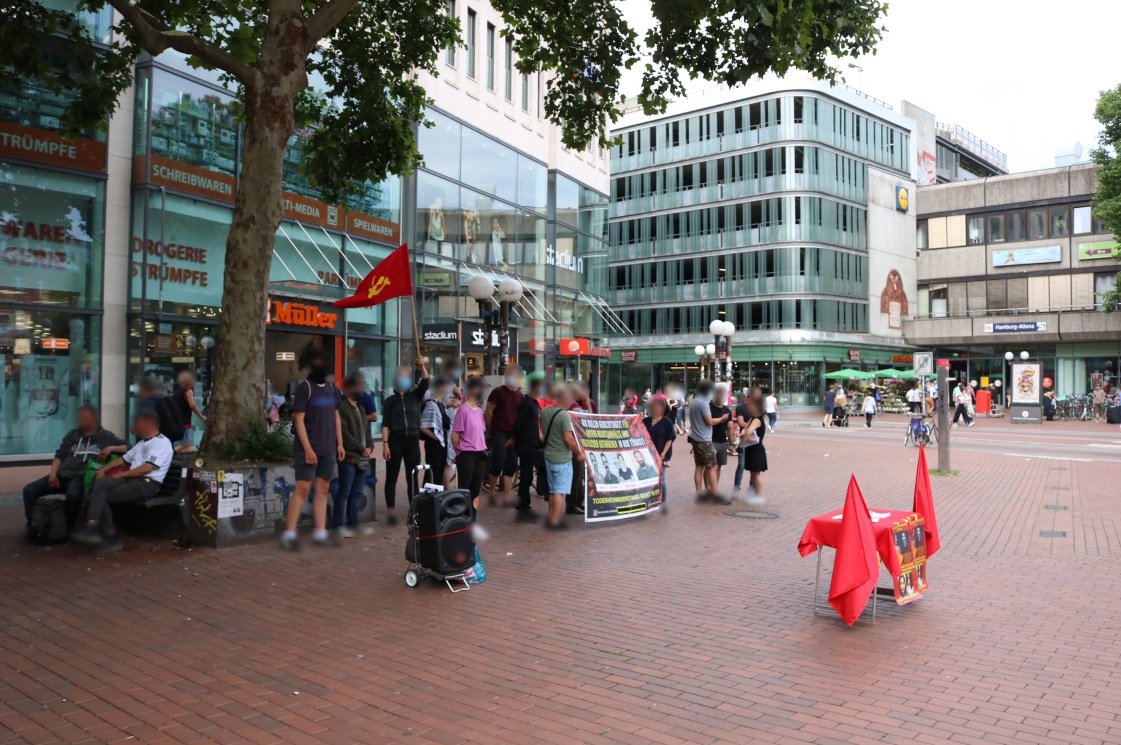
(1055, 507)
(1052, 534)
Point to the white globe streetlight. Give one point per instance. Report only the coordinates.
(699, 350)
(509, 291)
(711, 350)
(716, 328)
(1008, 356)
(729, 328)
(480, 288)
(1023, 355)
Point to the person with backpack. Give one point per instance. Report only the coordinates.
(151, 393)
(435, 428)
(526, 439)
(183, 396)
(400, 434)
(87, 442)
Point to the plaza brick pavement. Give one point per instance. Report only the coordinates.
(692, 627)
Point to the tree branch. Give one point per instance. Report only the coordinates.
(329, 16)
(156, 39)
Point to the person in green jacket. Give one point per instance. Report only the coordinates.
(352, 468)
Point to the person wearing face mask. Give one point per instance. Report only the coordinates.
(469, 440)
(318, 446)
(501, 411)
(435, 428)
(353, 467)
(400, 434)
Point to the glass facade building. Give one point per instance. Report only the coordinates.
(754, 212)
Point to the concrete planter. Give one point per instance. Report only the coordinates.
(259, 493)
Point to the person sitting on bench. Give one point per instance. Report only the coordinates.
(68, 469)
(147, 466)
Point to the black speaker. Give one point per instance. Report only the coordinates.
(444, 531)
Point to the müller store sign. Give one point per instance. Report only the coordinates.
(222, 187)
(301, 314)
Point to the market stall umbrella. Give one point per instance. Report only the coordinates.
(890, 373)
(848, 374)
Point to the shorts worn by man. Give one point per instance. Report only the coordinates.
(148, 463)
(700, 434)
(1099, 402)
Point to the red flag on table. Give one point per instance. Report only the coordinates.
(855, 569)
(924, 504)
(389, 279)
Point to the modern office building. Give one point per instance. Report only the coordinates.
(784, 210)
(500, 196)
(1011, 264)
(114, 244)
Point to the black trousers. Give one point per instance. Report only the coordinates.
(962, 412)
(575, 496)
(436, 455)
(528, 460)
(73, 488)
(472, 469)
(402, 448)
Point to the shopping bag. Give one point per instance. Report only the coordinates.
(92, 467)
(477, 574)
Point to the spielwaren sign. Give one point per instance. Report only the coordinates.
(221, 187)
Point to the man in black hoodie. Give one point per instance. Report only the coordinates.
(400, 434)
(68, 469)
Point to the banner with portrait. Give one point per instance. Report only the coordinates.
(622, 468)
(909, 537)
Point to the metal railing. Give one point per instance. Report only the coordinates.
(972, 143)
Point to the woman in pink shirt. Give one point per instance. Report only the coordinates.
(469, 440)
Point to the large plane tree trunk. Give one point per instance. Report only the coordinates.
(238, 398)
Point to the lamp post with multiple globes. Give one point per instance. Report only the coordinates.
(495, 320)
(722, 346)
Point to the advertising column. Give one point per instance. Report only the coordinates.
(1026, 388)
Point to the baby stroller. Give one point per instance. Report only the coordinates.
(840, 416)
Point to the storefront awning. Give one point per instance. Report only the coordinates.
(610, 317)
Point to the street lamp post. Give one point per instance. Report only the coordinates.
(721, 347)
(509, 292)
(482, 290)
(699, 350)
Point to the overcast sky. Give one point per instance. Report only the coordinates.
(1022, 75)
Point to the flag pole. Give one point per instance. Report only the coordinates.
(416, 332)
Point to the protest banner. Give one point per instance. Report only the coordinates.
(623, 473)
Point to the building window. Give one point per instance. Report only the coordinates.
(471, 22)
(975, 231)
(1037, 224)
(449, 54)
(1103, 283)
(1016, 226)
(1083, 220)
(1060, 226)
(490, 56)
(996, 228)
(525, 92)
(920, 235)
(510, 70)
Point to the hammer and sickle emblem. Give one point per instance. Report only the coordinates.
(377, 286)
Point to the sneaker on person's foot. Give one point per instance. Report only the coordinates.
(770, 430)
(391, 519)
(562, 525)
(88, 534)
(526, 516)
(328, 541)
(289, 543)
(345, 532)
(754, 500)
(362, 530)
(969, 425)
(110, 545)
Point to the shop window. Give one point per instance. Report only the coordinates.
(489, 165)
(194, 124)
(51, 365)
(51, 228)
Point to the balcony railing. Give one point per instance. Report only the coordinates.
(1003, 312)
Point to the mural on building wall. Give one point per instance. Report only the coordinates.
(928, 168)
(893, 300)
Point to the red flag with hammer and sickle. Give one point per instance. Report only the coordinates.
(389, 279)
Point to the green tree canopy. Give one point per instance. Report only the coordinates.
(1107, 202)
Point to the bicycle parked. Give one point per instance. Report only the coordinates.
(920, 431)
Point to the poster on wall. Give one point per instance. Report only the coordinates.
(231, 494)
(622, 476)
(1026, 384)
(909, 537)
(43, 395)
(1033, 255)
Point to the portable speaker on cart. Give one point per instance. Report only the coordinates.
(440, 544)
(1113, 415)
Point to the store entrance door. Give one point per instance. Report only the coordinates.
(282, 358)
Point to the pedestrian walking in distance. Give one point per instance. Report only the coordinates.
(962, 399)
(772, 411)
(755, 456)
(869, 409)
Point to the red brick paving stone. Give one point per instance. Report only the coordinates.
(692, 627)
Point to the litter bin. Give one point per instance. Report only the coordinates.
(984, 402)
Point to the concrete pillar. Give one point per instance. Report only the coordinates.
(115, 296)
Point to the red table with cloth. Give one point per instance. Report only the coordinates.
(825, 530)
